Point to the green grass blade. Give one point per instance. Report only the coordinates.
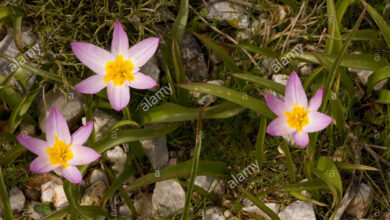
(71, 196)
(341, 8)
(348, 166)
(382, 24)
(182, 94)
(289, 162)
(333, 44)
(221, 53)
(360, 61)
(260, 147)
(259, 204)
(180, 23)
(337, 111)
(315, 184)
(377, 76)
(194, 168)
(181, 170)
(258, 50)
(57, 214)
(307, 199)
(262, 82)
(94, 211)
(384, 97)
(230, 95)
(170, 112)
(5, 203)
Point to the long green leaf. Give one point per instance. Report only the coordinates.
(5, 203)
(333, 44)
(195, 165)
(57, 214)
(315, 184)
(289, 162)
(377, 76)
(205, 168)
(307, 199)
(327, 171)
(71, 197)
(170, 112)
(383, 26)
(221, 53)
(230, 95)
(263, 51)
(261, 205)
(260, 141)
(262, 82)
(348, 166)
(341, 8)
(360, 61)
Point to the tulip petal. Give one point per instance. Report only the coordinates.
(143, 51)
(119, 96)
(301, 139)
(276, 105)
(35, 145)
(317, 122)
(279, 127)
(120, 42)
(295, 94)
(94, 57)
(80, 136)
(56, 126)
(142, 81)
(72, 174)
(42, 164)
(83, 155)
(316, 100)
(91, 85)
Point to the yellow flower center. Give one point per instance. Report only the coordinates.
(60, 153)
(119, 71)
(297, 118)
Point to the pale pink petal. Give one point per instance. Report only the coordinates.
(80, 136)
(317, 122)
(142, 81)
(301, 139)
(91, 85)
(119, 96)
(143, 51)
(295, 94)
(56, 125)
(279, 127)
(83, 155)
(72, 174)
(315, 101)
(276, 105)
(42, 164)
(120, 42)
(94, 57)
(35, 145)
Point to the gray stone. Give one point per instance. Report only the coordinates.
(102, 122)
(224, 11)
(362, 201)
(143, 205)
(71, 105)
(54, 192)
(168, 198)
(214, 213)
(17, 199)
(117, 156)
(298, 210)
(31, 212)
(210, 184)
(305, 69)
(204, 99)
(151, 69)
(94, 194)
(249, 207)
(363, 77)
(157, 151)
(97, 175)
(194, 61)
(227, 214)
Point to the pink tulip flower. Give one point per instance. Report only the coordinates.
(117, 70)
(295, 116)
(60, 148)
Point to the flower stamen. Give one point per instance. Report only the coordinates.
(297, 118)
(119, 71)
(60, 153)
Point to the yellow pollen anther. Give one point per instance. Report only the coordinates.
(119, 71)
(297, 118)
(60, 153)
